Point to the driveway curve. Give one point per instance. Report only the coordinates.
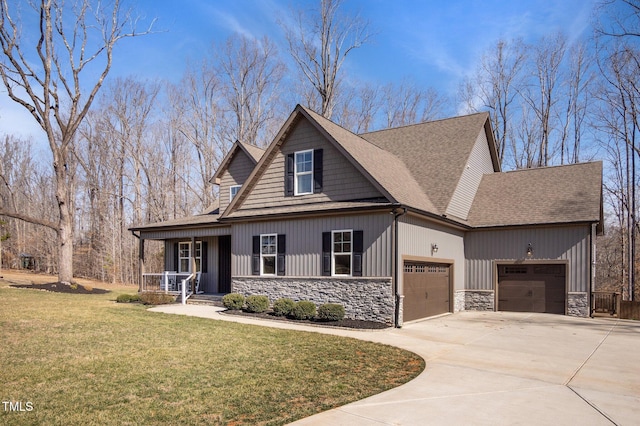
(496, 368)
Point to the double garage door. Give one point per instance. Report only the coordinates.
(532, 288)
(427, 290)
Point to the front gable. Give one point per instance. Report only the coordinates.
(235, 174)
(340, 180)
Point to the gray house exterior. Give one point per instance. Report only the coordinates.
(396, 225)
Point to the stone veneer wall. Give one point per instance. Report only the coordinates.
(578, 305)
(479, 300)
(475, 300)
(369, 299)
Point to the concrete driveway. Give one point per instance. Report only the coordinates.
(501, 369)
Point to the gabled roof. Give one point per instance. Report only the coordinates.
(548, 195)
(253, 152)
(384, 170)
(437, 152)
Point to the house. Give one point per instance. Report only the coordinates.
(396, 225)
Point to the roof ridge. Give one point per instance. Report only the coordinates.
(557, 166)
(422, 123)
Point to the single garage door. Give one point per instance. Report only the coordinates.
(427, 290)
(532, 288)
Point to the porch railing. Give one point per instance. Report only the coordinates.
(167, 281)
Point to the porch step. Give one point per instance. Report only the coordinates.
(205, 299)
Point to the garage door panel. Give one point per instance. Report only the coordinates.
(532, 288)
(427, 290)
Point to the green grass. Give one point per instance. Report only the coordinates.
(83, 359)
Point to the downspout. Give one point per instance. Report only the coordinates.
(592, 275)
(396, 319)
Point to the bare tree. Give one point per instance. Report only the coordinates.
(542, 95)
(495, 87)
(319, 44)
(251, 72)
(71, 38)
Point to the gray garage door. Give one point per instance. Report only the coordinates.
(532, 288)
(427, 290)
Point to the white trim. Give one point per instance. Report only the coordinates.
(180, 258)
(333, 254)
(231, 188)
(274, 255)
(296, 174)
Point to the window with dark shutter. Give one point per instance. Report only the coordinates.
(326, 253)
(317, 171)
(358, 248)
(282, 249)
(289, 175)
(203, 258)
(255, 256)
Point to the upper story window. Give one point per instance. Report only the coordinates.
(233, 190)
(303, 172)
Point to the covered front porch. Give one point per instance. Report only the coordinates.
(196, 261)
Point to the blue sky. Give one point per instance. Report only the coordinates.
(433, 42)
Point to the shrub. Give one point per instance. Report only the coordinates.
(303, 309)
(283, 307)
(330, 312)
(128, 298)
(256, 303)
(233, 301)
(157, 298)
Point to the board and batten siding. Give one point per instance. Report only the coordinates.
(237, 173)
(569, 243)
(304, 243)
(341, 180)
(415, 236)
(479, 164)
(208, 280)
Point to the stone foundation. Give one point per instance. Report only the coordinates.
(458, 301)
(479, 300)
(578, 305)
(369, 299)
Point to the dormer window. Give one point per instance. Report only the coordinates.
(233, 190)
(303, 172)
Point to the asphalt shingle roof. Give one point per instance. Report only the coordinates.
(435, 153)
(561, 194)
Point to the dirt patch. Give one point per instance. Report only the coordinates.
(345, 323)
(62, 288)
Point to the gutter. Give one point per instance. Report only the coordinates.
(396, 319)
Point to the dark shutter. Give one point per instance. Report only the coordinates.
(317, 171)
(176, 260)
(326, 253)
(289, 175)
(358, 248)
(282, 249)
(255, 256)
(203, 257)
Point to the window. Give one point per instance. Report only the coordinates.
(303, 172)
(184, 257)
(233, 190)
(268, 254)
(341, 252)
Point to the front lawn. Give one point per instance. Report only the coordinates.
(83, 359)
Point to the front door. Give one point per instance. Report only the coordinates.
(224, 264)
